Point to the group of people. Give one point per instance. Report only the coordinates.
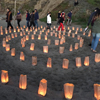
(31, 19)
(61, 19)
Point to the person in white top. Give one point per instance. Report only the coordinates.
(48, 20)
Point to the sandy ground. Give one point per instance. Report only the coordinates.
(83, 78)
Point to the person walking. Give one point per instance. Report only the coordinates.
(63, 13)
(61, 23)
(69, 19)
(89, 21)
(32, 19)
(59, 15)
(96, 32)
(36, 18)
(18, 18)
(49, 20)
(27, 18)
(9, 18)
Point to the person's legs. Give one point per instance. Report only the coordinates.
(59, 27)
(96, 42)
(68, 21)
(33, 24)
(18, 22)
(10, 25)
(49, 26)
(58, 21)
(92, 45)
(62, 26)
(7, 25)
(36, 23)
(28, 24)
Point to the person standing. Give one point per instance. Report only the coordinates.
(69, 19)
(61, 23)
(32, 19)
(18, 18)
(36, 18)
(9, 18)
(48, 21)
(59, 15)
(27, 18)
(75, 3)
(96, 32)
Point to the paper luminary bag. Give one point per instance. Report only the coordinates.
(4, 76)
(42, 90)
(32, 46)
(4, 43)
(65, 63)
(7, 47)
(13, 52)
(97, 91)
(32, 37)
(22, 57)
(73, 35)
(61, 50)
(45, 37)
(86, 61)
(49, 63)
(71, 48)
(34, 60)
(56, 42)
(97, 57)
(23, 81)
(27, 37)
(49, 42)
(78, 62)
(76, 46)
(45, 49)
(39, 37)
(68, 90)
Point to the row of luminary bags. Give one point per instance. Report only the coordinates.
(42, 90)
(49, 61)
(16, 29)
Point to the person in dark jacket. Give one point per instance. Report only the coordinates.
(96, 32)
(9, 18)
(90, 20)
(59, 15)
(32, 19)
(61, 23)
(69, 19)
(36, 18)
(27, 18)
(18, 18)
(91, 16)
(75, 3)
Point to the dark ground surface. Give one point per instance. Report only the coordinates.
(83, 78)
